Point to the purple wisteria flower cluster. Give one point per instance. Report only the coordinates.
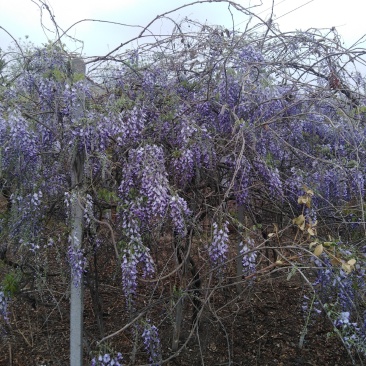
(335, 292)
(218, 249)
(107, 360)
(243, 180)
(249, 256)
(125, 127)
(352, 333)
(186, 154)
(250, 55)
(178, 212)
(183, 162)
(26, 212)
(136, 254)
(151, 339)
(145, 199)
(23, 140)
(270, 176)
(144, 186)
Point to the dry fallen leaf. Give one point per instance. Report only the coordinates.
(318, 250)
(311, 231)
(299, 221)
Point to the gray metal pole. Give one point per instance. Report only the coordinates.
(76, 295)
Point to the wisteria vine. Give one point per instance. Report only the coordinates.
(171, 139)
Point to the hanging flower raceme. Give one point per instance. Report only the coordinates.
(191, 147)
(22, 145)
(136, 254)
(145, 178)
(219, 246)
(248, 256)
(26, 213)
(243, 180)
(152, 343)
(107, 360)
(183, 164)
(178, 212)
(270, 176)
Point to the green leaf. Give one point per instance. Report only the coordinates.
(11, 283)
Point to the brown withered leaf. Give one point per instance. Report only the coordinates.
(299, 221)
(318, 250)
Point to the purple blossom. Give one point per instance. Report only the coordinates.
(130, 125)
(270, 176)
(336, 291)
(144, 186)
(132, 257)
(249, 256)
(309, 305)
(27, 216)
(152, 343)
(350, 332)
(107, 359)
(129, 264)
(311, 215)
(343, 320)
(183, 165)
(243, 181)
(190, 144)
(178, 212)
(219, 246)
(250, 55)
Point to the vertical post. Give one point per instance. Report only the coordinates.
(76, 295)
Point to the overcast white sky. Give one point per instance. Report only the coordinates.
(22, 18)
